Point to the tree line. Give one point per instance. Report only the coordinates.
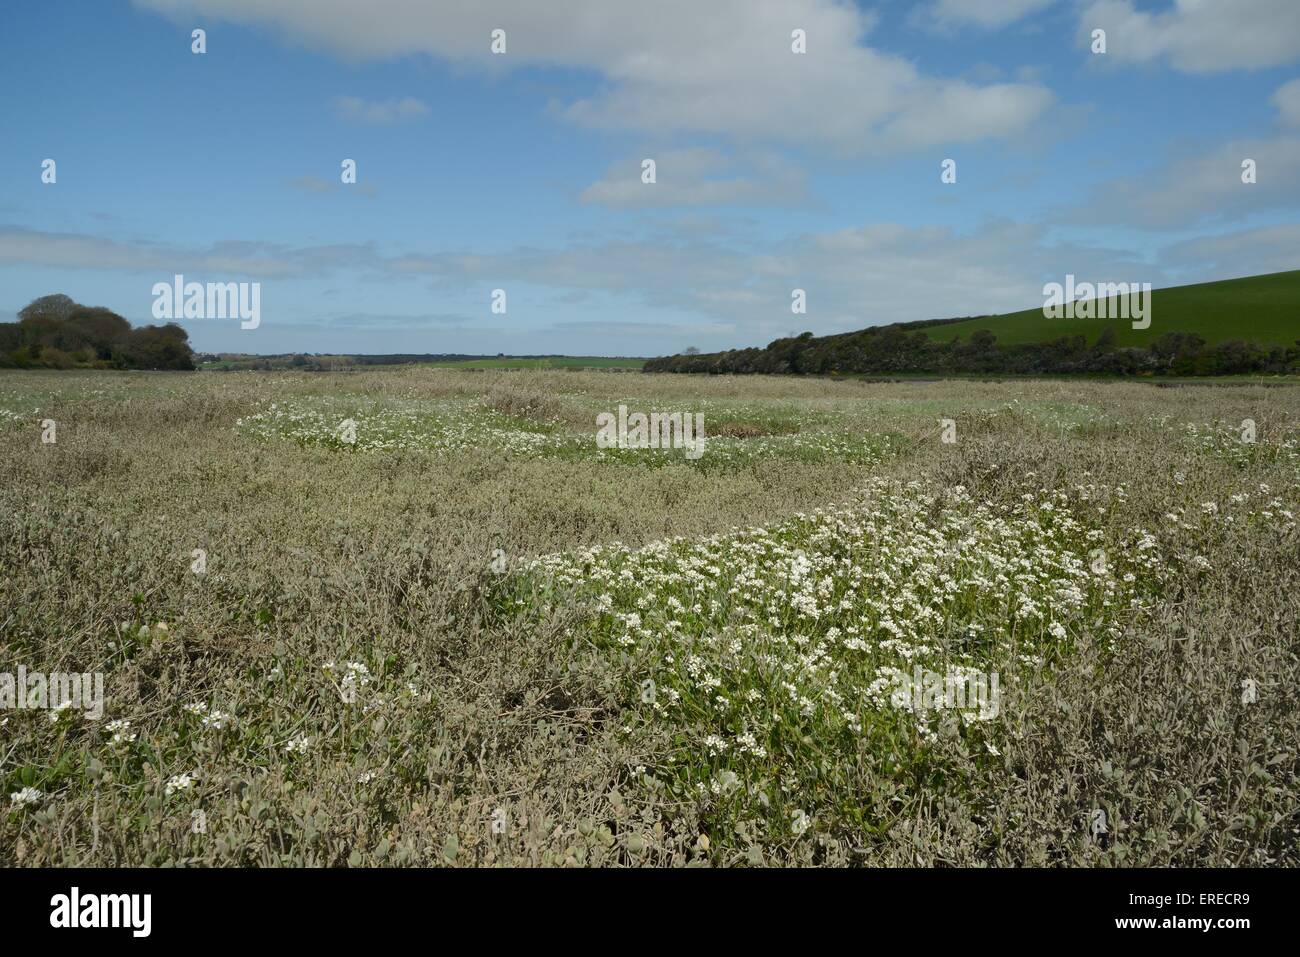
(896, 349)
(54, 332)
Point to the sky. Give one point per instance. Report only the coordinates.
(522, 170)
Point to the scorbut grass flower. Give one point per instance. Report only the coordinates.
(27, 796)
(217, 720)
(355, 677)
(60, 711)
(348, 686)
(121, 732)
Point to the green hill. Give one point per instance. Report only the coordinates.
(1234, 327)
(1262, 309)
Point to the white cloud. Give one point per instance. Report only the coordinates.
(227, 260)
(736, 289)
(1199, 188)
(721, 291)
(988, 14)
(674, 66)
(1287, 101)
(854, 278)
(379, 112)
(1199, 36)
(697, 177)
(1250, 252)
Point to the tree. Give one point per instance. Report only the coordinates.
(57, 306)
(157, 347)
(56, 332)
(1173, 347)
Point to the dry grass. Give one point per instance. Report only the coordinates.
(319, 553)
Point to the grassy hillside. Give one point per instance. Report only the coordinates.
(1263, 309)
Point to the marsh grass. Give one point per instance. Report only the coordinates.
(376, 561)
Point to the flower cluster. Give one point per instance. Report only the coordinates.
(753, 641)
(445, 428)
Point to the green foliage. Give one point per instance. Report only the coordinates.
(55, 332)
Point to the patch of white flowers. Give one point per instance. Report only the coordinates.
(448, 427)
(27, 796)
(121, 733)
(757, 638)
(210, 718)
(353, 677)
(439, 427)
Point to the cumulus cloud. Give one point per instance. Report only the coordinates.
(697, 177)
(854, 277)
(1199, 36)
(393, 320)
(1287, 101)
(379, 112)
(722, 290)
(226, 260)
(988, 14)
(1199, 188)
(674, 66)
(1249, 252)
(737, 294)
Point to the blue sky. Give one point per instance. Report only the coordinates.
(522, 171)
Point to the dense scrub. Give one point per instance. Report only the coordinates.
(899, 349)
(54, 332)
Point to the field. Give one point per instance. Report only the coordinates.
(466, 635)
(1263, 309)
(341, 363)
(545, 362)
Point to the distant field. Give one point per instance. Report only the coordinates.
(231, 363)
(546, 362)
(1263, 309)
(346, 362)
